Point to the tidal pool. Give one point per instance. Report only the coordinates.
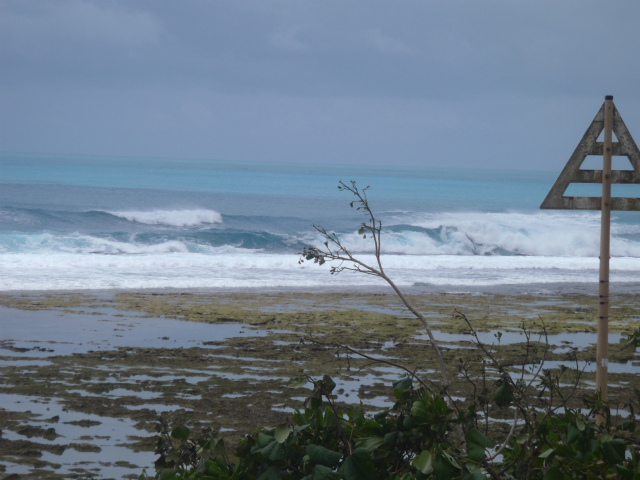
(83, 378)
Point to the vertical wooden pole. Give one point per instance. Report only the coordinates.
(605, 240)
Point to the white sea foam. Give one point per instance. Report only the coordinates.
(473, 233)
(48, 243)
(61, 271)
(464, 249)
(80, 244)
(175, 218)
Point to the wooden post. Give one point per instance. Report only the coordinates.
(607, 119)
(605, 241)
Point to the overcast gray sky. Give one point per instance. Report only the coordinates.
(455, 83)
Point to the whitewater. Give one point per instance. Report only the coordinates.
(78, 223)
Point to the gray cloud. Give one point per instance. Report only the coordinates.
(493, 83)
(78, 21)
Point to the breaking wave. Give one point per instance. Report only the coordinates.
(505, 234)
(174, 218)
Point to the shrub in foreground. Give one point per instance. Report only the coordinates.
(420, 437)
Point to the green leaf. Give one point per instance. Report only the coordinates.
(408, 422)
(623, 473)
(297, 382)
(477, 437)
(181, 432)
(424, 462)
(391, 438)
(546, 453)
(553, 473)
(403, 384)
(320, 472)
(168, 473)
(522, 437)
(372, 426)
(329, 384)
(614, 451)
(573, 433)
(312, 402)
(358, 466)
(173, 456)
(402, 388)
(452, 461)
(272, 473)
(319, 455)
(580, 424)
(420, 410)
(478, 443)
(564, 450)
(592, 446)
(301, 428)
(282, 432)
(504, 395)
(214, 446)
(407, 476)
(263, 439)
(477, 476)
(445, 466)
(273, 451)
(371, 443)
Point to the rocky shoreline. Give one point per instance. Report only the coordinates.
(86, 375)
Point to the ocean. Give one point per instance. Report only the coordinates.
(102, 223)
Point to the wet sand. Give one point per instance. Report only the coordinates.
(85, 375)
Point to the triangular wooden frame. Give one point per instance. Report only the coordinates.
(625, 146)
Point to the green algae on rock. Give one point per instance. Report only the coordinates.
(236, 383)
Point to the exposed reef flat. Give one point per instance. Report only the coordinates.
(84, 376)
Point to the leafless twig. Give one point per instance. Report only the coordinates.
(335, 251)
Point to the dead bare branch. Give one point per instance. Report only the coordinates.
(334, 251)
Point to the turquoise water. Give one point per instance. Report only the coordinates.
(93, 222)
(497, 190)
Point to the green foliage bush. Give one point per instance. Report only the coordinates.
(420, 437)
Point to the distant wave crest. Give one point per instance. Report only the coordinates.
(175, 218)
(502, 234)
(46, 243)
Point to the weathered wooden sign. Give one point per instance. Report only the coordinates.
(625, 146)
(608, 119)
